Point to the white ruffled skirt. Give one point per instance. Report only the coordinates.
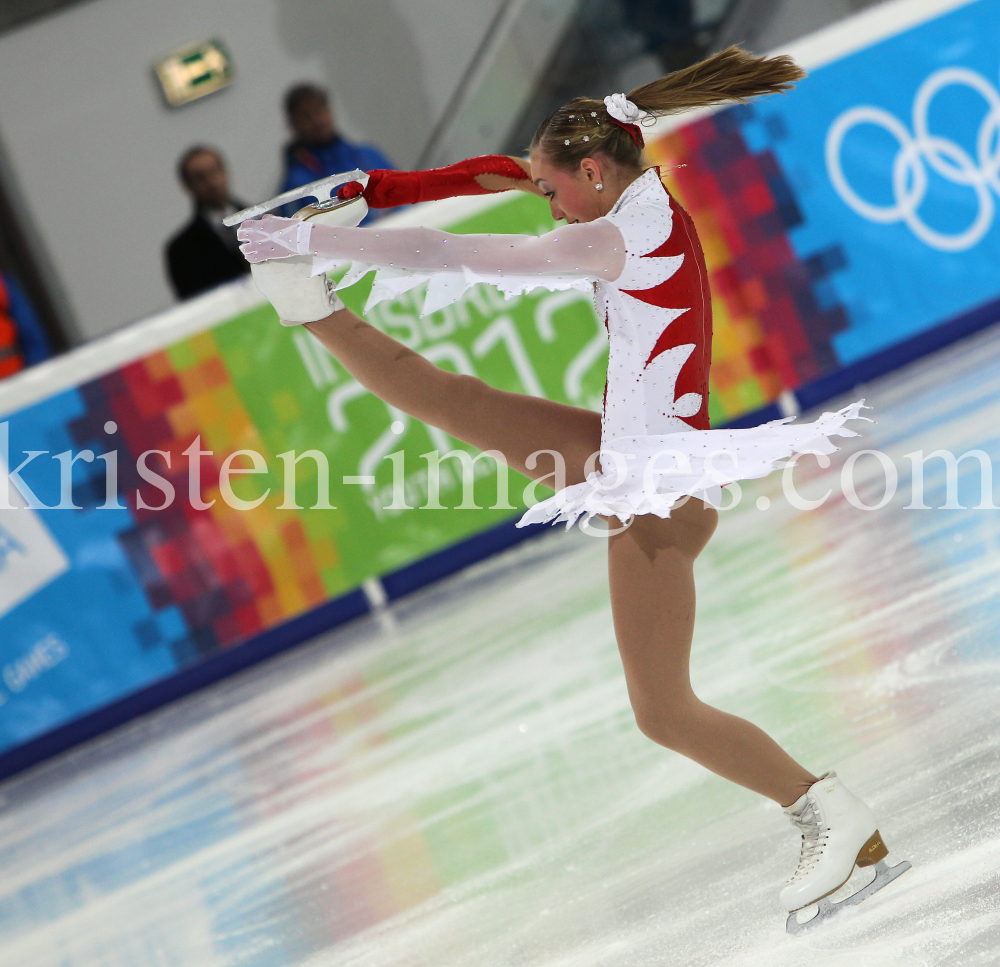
(649, 474)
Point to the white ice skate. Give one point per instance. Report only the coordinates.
(289, 285)
(838, 833)
(324, 191)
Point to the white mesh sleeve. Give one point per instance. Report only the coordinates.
(595, 250)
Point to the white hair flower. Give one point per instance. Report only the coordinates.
(623, 110)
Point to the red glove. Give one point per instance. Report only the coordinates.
(387, 189)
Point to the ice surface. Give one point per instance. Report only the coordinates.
(459, 783)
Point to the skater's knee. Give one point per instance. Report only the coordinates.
(669, 724)
(669, 734)
(687, 530)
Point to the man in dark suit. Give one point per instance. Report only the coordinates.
(205, 253)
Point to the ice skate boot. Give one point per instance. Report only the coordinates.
(297, 295)
(838, 833)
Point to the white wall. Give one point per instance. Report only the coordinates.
(93, 147)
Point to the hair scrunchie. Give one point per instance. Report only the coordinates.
(626, 115)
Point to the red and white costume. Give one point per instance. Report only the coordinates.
(644, 264)
(658, 313)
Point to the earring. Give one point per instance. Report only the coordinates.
(599, 186)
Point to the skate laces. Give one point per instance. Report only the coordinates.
(814, 836)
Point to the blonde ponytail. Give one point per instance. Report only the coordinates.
(730, 75)
(583, 128)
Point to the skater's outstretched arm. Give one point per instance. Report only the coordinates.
(595, 250)
(476, 176)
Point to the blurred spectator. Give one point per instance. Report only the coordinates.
(205, 253)
(317, 149)
(22, 340)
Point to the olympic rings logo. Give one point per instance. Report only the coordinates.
(920, 150)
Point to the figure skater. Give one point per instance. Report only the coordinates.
(628, 239)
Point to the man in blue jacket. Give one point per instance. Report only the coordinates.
(317, 149)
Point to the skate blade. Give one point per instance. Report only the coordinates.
(827, 908)
(321, 190)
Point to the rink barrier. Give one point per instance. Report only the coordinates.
(457, 557)
(440, 565)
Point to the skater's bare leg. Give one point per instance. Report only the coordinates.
(651, 563)
(466, 408)
(653, 602)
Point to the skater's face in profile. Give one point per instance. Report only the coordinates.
(573, 194)
(207, 180)
(312, 121)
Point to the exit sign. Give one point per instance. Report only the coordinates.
(194, 71)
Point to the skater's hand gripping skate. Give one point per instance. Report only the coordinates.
(320, 190)
(274, 238)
